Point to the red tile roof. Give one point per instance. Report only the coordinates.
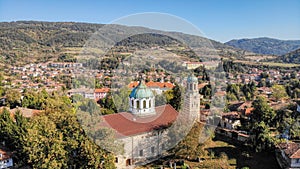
(248, 111)
(26, 112)
(153, 84)
(291, 149)
(102, 90)
(126, 124)
(5, 154)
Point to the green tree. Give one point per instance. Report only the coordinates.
(175, 102)
(6, 127)
(262, 119)
(45, 145)
(262, 112)
(13, 98)
(279, 92)
(263, 138)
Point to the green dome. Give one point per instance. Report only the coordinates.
(141, 91)
(192, 78)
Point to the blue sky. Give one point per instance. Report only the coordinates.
(221, 20)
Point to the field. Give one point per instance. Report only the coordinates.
(268, 63)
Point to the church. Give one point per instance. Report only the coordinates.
(143, 129)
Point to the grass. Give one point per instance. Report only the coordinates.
(237, 156)
(240, 156)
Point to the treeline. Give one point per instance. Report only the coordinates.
(264, 122)
(19, 40)
(52, 138)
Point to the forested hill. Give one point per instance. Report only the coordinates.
(292, 57)
(266, 45)
(35, 41)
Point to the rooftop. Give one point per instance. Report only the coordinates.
(291, 149)
(141, 91)
(126, 124)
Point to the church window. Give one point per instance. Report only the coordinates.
(191, 86)
(137, 104)
(132, 103)
(144, 104)
(141, 153)
(150, 103)
(152, 150)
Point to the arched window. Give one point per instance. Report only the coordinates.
(137, 104)
(132, 103)
(150, 103)
(191, 86)
(194, 86)
(144, 104)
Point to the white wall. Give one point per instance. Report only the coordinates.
(295, 162)
(6, 163)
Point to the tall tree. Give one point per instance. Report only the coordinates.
(261, 120)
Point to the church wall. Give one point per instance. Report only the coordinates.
(142, 148)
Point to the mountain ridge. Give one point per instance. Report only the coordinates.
(265, 45)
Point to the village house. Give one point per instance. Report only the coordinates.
(230, 120)
(101, 93)
(6, 160)
(288, 155)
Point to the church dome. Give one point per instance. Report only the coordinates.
(192, 78)
(141, 91)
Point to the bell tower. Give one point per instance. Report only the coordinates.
(192, 98)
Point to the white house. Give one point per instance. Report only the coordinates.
(101, 93)
(230, 120)
(6, 160)
(290, 155)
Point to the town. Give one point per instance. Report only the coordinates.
(246, 92)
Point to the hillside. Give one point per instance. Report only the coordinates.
(33, 41)
(266, 45)
(292, 57)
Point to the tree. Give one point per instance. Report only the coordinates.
(206, 91)
(262, 82)
(120, 99)
(45, 145)
(6, 127)
(13, 98)
(53, 139)
(262, 112)
(278, 92)
(263, 139)
(175, 102)
(261, 120)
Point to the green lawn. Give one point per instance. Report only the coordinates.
(240, 156)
